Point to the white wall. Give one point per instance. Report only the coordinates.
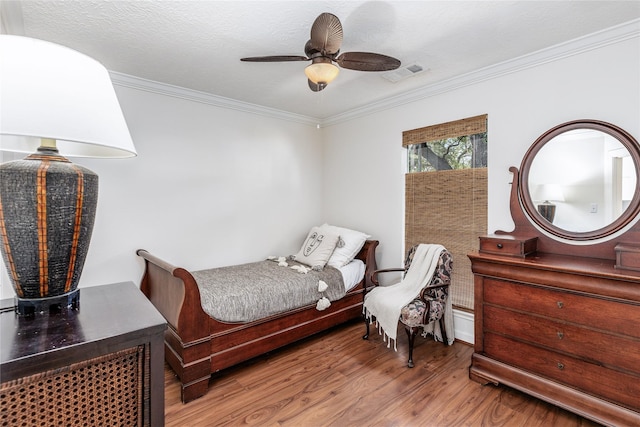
(210, 186)
(214, 186)
(601, 84)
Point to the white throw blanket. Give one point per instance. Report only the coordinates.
(434, 329)
(385, 302)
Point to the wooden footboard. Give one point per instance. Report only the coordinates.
(197, 345)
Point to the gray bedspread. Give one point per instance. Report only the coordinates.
(247, 292)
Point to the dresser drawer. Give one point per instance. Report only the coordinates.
(613, 316)
(608, 384)
(508, 245)
(584, 343)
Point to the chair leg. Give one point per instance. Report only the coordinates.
(366, 324)
(444, 332)
(411, 334)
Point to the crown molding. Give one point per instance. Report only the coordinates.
(583, 44)
(126, 80)
(589, 42)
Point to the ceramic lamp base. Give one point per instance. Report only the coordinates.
(47, 211)
(547, 210)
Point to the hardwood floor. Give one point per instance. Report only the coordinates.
(338, 379)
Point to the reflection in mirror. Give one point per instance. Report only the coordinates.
(582, 180)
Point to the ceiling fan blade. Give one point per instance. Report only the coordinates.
(316, 87)
(326, 34)
(276, 58)
(367, 61)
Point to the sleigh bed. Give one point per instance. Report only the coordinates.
(198, 345)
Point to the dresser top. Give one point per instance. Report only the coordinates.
(573, 273)
(107, 313)
(565, 263)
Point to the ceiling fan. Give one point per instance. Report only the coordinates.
(322, 50)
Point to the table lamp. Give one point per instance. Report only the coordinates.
(54, 101)
(549, 193)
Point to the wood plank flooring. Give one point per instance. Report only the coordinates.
(338, 379)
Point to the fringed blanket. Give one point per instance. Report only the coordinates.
(385, 302)
(247, 292)
(433, 328)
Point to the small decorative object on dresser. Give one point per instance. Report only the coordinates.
(557, 310)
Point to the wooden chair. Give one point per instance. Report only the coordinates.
(429, 306)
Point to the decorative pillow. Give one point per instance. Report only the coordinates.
(348, 246)
(317, 248)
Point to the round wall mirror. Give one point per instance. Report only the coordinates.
(579, 180)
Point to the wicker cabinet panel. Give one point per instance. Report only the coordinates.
(609, 384)
(106, 390)
(607, 314)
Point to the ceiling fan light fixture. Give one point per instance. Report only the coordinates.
(322, 72)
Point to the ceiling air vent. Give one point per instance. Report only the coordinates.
(403, 72)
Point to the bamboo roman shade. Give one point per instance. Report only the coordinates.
(448, 207)
(468, 126)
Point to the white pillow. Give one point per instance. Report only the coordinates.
(348, 246)
(317, 248)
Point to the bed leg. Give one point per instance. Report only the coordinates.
(194, 376)
(194, 390)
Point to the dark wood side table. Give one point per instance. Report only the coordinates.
(102, 364)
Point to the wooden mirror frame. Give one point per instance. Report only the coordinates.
(623, 232)
(525, 197)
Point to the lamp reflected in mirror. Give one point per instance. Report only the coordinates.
(549, 193)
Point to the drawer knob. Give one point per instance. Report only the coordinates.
(560, 334)
(499, 245)
(560, 304)
(560, 366)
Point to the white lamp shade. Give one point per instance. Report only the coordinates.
(51, 91)
(550, 192)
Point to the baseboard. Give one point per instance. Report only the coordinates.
(463, 326)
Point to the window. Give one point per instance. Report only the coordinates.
(461, 152)
(446, 194)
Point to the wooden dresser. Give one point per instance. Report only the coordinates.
(565, 329)
(557, 303)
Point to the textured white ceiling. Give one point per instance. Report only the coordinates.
(198, 44)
